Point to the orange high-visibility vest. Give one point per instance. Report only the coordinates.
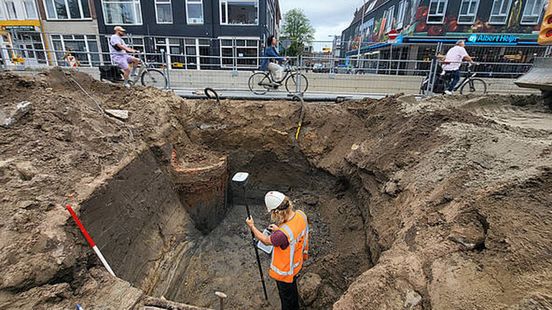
(286, 263)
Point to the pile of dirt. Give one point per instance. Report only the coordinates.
(443, 203)
(59, 153)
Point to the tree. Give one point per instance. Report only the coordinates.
(298, 29)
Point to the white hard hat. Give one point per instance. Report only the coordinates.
(273, 200)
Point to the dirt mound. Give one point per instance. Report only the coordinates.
(65, 146)
(443, 203)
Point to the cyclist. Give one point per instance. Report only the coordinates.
(119, 53)
(452, 63)
(271, 60)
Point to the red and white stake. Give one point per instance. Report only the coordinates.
(89, 239)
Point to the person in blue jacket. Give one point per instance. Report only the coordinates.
(271, 59)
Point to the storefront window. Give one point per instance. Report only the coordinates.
(194, 12)
(437, 9)
(532, 12)
(29, 46)
(80, 46)
(500, 12)
(67, 9)
(163, 11)
(122, 12)
(239, 12)
(242, 53)
(468, 11)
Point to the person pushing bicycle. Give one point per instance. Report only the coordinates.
(119, 54)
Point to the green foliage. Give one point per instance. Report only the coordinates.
(298, 29)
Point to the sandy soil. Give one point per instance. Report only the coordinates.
(443, 204)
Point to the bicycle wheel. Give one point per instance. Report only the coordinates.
(154, 78)
(297, 83)
(475, 87)
(259, 83)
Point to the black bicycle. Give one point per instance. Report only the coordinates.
(295, 82)
(470, 85)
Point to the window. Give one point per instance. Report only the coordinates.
(401, 8)
(194, 12)
(468, 11)
(66, 9)
(532, 12)
(370, 7)
(242, 53)
(18, 9)
(270, 24)
(500, 12)
(83, 47)
(11, 12)
(189, 53)
(239, 12)
(163, 11)
(390, 16)
(122, 12)
(30, 9)
(437, 9)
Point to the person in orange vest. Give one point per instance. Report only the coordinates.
(290, 238)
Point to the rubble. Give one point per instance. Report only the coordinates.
(10, 117)
(120, 114)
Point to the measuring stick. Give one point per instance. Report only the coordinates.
(89, 239)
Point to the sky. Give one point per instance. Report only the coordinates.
(328, 17)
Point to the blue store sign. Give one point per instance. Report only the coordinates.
(493, 38)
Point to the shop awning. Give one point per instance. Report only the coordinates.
(369, 48)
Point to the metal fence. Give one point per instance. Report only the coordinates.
(370, 74)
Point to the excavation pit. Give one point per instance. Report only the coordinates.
(171, 230)
(442, 203)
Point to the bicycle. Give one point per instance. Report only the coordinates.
(261, 82)
(146, 74)
(475, 85)
(470, 84)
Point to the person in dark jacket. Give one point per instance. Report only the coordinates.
(271, 59)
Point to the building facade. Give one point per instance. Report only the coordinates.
(494, 30)
(21, 33)
(70, 26)
(196, 34)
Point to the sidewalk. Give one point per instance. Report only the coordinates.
(275, 95)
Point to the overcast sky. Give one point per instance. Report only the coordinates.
(329, 17)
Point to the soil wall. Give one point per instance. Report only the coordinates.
(135, 218)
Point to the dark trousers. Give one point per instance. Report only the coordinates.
(289, 296)
(453, 77)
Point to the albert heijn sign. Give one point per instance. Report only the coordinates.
(493, 38)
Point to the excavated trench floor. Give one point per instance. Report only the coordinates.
(184, 242)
